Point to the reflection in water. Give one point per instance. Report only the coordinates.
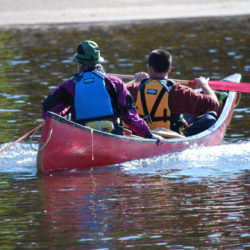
(194, 199)
(109, 208)
(180, 200)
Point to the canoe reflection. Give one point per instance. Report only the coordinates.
(78, 197)
(101, 203)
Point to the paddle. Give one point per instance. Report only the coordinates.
(216, 85)
(23, 137)
(222, 85)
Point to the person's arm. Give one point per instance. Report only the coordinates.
(129, 112)
(183, 99)
(133, 85)
(138, 77)
(59, 99)
(139, 126)
(203, 84)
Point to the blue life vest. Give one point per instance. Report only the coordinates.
(92, 100)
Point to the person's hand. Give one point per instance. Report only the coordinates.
(201, 82)
(158, 138)
(140, 76)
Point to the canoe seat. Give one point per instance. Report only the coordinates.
(166, 133)
(103, 125)
(129, 133)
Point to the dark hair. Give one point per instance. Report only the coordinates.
(160, 60)
(85, 68)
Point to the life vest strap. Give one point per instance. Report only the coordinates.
(150, 119)
(143, 101)
(156, 104)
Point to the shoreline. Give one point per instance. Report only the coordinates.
(105, 24)
(42, 13)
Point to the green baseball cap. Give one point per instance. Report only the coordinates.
(88, 53)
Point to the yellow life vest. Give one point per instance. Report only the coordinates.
(152, 103)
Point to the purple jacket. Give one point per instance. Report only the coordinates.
(63, 97)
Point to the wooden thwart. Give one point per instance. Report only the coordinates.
(166, 133)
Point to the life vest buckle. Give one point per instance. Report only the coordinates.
(147, 119)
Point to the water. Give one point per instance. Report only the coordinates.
(194, 199)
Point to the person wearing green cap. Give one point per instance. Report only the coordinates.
(96, 99)
(88, 53)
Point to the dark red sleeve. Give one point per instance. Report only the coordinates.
(183, 100)
(133, 89)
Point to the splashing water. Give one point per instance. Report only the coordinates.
(18, 159)
(192, 164)
(196, 164)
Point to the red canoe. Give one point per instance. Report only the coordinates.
(66, 145)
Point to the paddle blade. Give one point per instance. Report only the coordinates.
(227, 86)
(230, 86)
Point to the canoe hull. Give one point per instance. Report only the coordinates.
(66, 145)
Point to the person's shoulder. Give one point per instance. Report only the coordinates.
(116, 81)
(68, 82)
(68, 85)
(133, 85)
(180, 87)
(182, 90)
(113, 78)
(170, 83)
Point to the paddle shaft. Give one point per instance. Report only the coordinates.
(215, 85)
(23, 137)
